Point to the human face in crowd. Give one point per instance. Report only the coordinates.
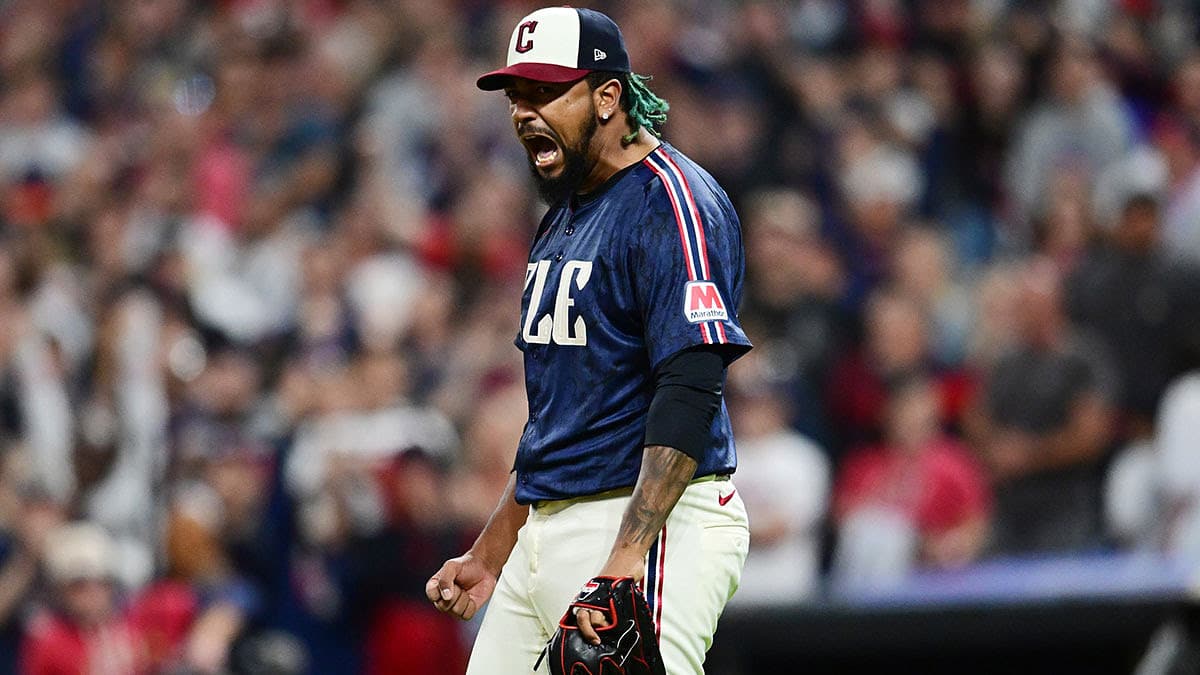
(1040, 317)
(1137, 231)
(88, 600)
(912, 416)
(896, 333)
(556, 123)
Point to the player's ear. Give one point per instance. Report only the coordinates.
(607, 99)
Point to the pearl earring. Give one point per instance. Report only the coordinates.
(604, 117)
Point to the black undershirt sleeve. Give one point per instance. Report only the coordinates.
(687, 396)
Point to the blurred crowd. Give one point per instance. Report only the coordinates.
(261, 265)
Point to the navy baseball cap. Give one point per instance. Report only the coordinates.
(560, 44)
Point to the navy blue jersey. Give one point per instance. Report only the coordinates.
(648, 265)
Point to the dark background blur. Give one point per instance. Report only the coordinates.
(260, 270)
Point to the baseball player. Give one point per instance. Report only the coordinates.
(628, 321)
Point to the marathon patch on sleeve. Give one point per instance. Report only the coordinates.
(702, 302)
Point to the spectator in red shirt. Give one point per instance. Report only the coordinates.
(917, 499)
(84, 634)
(404, 633)
(895, 345)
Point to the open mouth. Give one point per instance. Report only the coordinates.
(543, 149)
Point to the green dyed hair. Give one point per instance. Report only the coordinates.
(643, 108)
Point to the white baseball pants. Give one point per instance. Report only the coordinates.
(691, 572)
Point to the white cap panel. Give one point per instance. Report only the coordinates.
(549, 35)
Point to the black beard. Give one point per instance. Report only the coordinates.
(576, 167)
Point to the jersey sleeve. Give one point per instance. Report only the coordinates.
(688, 269)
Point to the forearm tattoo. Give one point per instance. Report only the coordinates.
(664, 475)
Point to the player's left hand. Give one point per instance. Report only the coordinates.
(589, 620)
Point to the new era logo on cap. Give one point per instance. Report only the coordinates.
(560, 44)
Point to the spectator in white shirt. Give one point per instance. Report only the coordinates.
(783, 478)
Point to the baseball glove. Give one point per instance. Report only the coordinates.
(628, 645)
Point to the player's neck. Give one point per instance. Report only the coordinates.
(615, 156)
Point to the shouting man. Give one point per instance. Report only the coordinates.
(628, 321)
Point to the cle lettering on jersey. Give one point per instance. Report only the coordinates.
(555, 326)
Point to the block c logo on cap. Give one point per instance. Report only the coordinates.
(702, 302)
(525, 44)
